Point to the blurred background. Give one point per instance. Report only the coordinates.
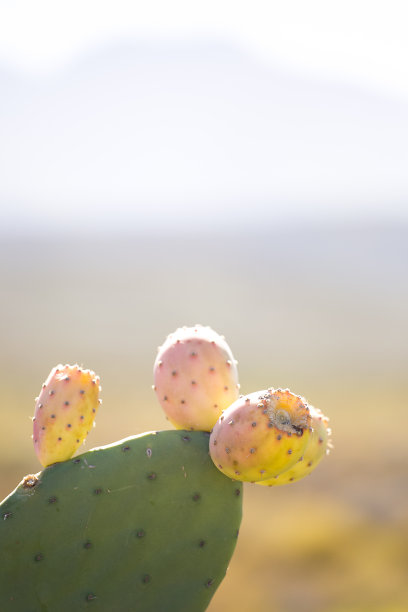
(240, 165)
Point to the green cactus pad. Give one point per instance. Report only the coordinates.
(146, 524)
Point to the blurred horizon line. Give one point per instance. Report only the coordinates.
(132, 225)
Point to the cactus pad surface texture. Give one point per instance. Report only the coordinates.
(146, 524)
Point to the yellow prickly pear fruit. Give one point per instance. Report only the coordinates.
(64, 412)
(318, 446)
(261, 435)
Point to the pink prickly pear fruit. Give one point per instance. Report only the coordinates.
(195, 377)
(318, 446)
(64, 412)
(261, 435)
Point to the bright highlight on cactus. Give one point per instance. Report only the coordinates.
(195, 377)
(261, 435)
(317, 448)
(64, 412)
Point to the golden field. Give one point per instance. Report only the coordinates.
(321, 310)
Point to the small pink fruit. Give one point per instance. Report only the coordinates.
(261, 435)
(64, 412)
(195, 377)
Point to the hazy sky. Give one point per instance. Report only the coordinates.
(362, 40)
(283, 107)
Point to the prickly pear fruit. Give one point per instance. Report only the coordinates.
(261, 435)
(195, 377)
(64, 412)
(317, 448)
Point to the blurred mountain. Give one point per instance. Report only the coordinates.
(168, 132)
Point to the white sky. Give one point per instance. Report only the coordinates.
(355, 40)
(302, 148)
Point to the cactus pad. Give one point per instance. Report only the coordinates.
(145, 524)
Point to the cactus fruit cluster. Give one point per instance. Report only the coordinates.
(148, 523)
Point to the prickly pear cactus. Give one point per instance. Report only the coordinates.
(64, 412)
(148, 523)
(195, 377)
(145, 524)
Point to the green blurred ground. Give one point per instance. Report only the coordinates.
(322, 311)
